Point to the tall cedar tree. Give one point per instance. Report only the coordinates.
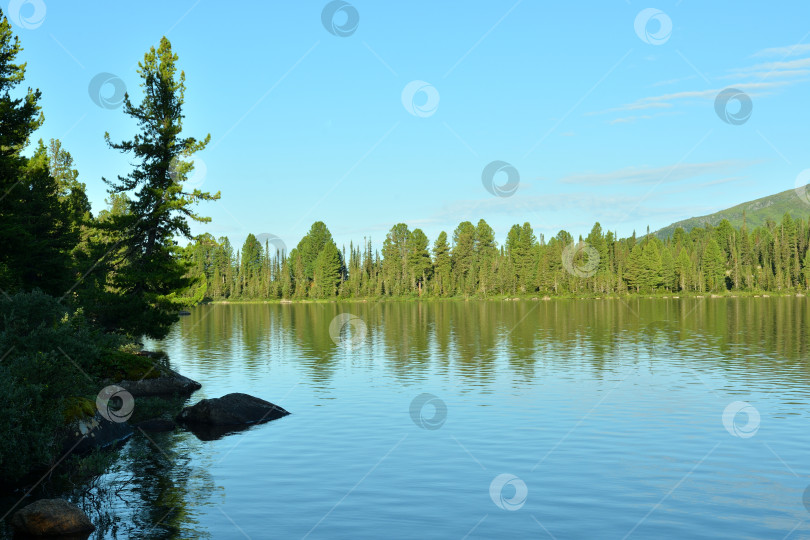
(145, 280)
(443, 265)
(327, 271)
(419, 265)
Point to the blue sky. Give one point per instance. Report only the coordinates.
(604, 117)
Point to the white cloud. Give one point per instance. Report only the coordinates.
(610, 210)
(655, 175)
(790, 50)
(666, 100)
(674, 81)
(756, 80)
(773, 74)
(779, 66)
(631, 119)
(737, 180)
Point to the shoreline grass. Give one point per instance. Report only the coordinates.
(518, 297)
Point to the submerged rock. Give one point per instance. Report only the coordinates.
(95, 432)
(207, 432)
(156, 424)
(231, 410)
(52, 517)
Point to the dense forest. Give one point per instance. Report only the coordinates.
(77, 290)
(773, 257)
(123, 267)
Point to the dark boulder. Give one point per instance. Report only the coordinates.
(52, 517)
(169, 383)
(95, 432)
(231, 410)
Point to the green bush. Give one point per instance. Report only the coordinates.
(28, 421)
(49, 359)
(121, 366)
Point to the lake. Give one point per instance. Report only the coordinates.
(634, 418)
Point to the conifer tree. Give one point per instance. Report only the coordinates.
(395, 260)
(442, 266)
(486, 252)
(327, 271)
(419, 265)
(144, 282)
(20, 116)
(713, 266)
(462, 254)
(683, 270)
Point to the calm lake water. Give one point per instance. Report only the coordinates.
(665, 418)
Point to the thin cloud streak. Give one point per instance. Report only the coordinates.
(664, 101)
(790, 50)
(788, 65)
(603, 208)
(674, 81)
(651, 175)
(756, 80)
(631, 119)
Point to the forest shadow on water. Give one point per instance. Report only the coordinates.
(599, 407)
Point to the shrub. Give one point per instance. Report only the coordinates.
(49, 359)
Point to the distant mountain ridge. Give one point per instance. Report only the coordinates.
(757, 212)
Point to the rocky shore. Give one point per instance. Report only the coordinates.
(209, 419)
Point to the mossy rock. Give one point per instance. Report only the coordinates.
(78, 408)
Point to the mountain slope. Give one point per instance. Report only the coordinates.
(757, 212)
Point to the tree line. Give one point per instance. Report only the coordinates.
(470, 263)
(122, 267)
(78, 290)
